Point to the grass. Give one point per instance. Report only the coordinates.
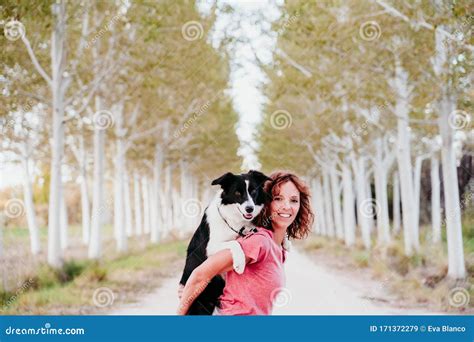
(70, 290)
(22, 233)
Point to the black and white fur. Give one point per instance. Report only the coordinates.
(239, 200)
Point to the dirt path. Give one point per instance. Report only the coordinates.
(310, 289)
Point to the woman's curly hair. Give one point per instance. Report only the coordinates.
(303, 222)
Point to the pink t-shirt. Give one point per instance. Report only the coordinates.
(252, 292)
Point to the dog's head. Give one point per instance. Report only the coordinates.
(243, 196)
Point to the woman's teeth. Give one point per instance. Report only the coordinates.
(284, 215)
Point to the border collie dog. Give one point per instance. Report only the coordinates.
(229, 215)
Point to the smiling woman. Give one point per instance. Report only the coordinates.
(288, 193)
(254, 291)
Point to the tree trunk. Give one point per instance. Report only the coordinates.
(128, 206)
(95, 243)
(137, 205)
(119, 215)
(364, 202)
(156, 208)
(85, 205)
(64, 221)
(328, 214)
(417, 183)
(315, 205)
(58, 89)
(380, 173)
(396, 204)
(319, 198)
(348, 207)
(167, 203)
(146, 205)
(177, 222)
(435, 200)
(456, 267)
(402, 107)
(446, 108)
(336, 202)
(30, 209)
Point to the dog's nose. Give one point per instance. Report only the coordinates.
(249, 209)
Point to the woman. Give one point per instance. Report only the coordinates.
(289, 215)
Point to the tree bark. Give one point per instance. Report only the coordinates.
(30, 208)
(95, 243)
(64, 221)
(146, 205)
(456, 267)
(119, 206)
(156, 208)
(364, 202)
(58, 88)
(85, 205)
(348, 207)
(128, 206)
(328, 214)
(446, 106)
(396, 204)
(410, 226)
(380, 173)
(336, 202)
(319, 199)
(435, 200)
(137, 205)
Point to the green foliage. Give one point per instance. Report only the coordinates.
(349, 70)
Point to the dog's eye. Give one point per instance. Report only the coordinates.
(237, 193)
(253, 192)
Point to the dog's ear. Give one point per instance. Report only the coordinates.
(259, 177)
(224, 180)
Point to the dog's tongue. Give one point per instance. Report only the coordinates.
(247, 216)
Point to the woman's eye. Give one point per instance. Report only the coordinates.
(294, 201)
(277, 199)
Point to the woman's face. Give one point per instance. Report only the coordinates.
(285, 205)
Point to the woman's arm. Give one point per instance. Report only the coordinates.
(201, 276)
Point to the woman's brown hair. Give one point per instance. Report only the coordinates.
(303, 222)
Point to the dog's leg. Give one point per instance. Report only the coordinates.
(238, 256)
